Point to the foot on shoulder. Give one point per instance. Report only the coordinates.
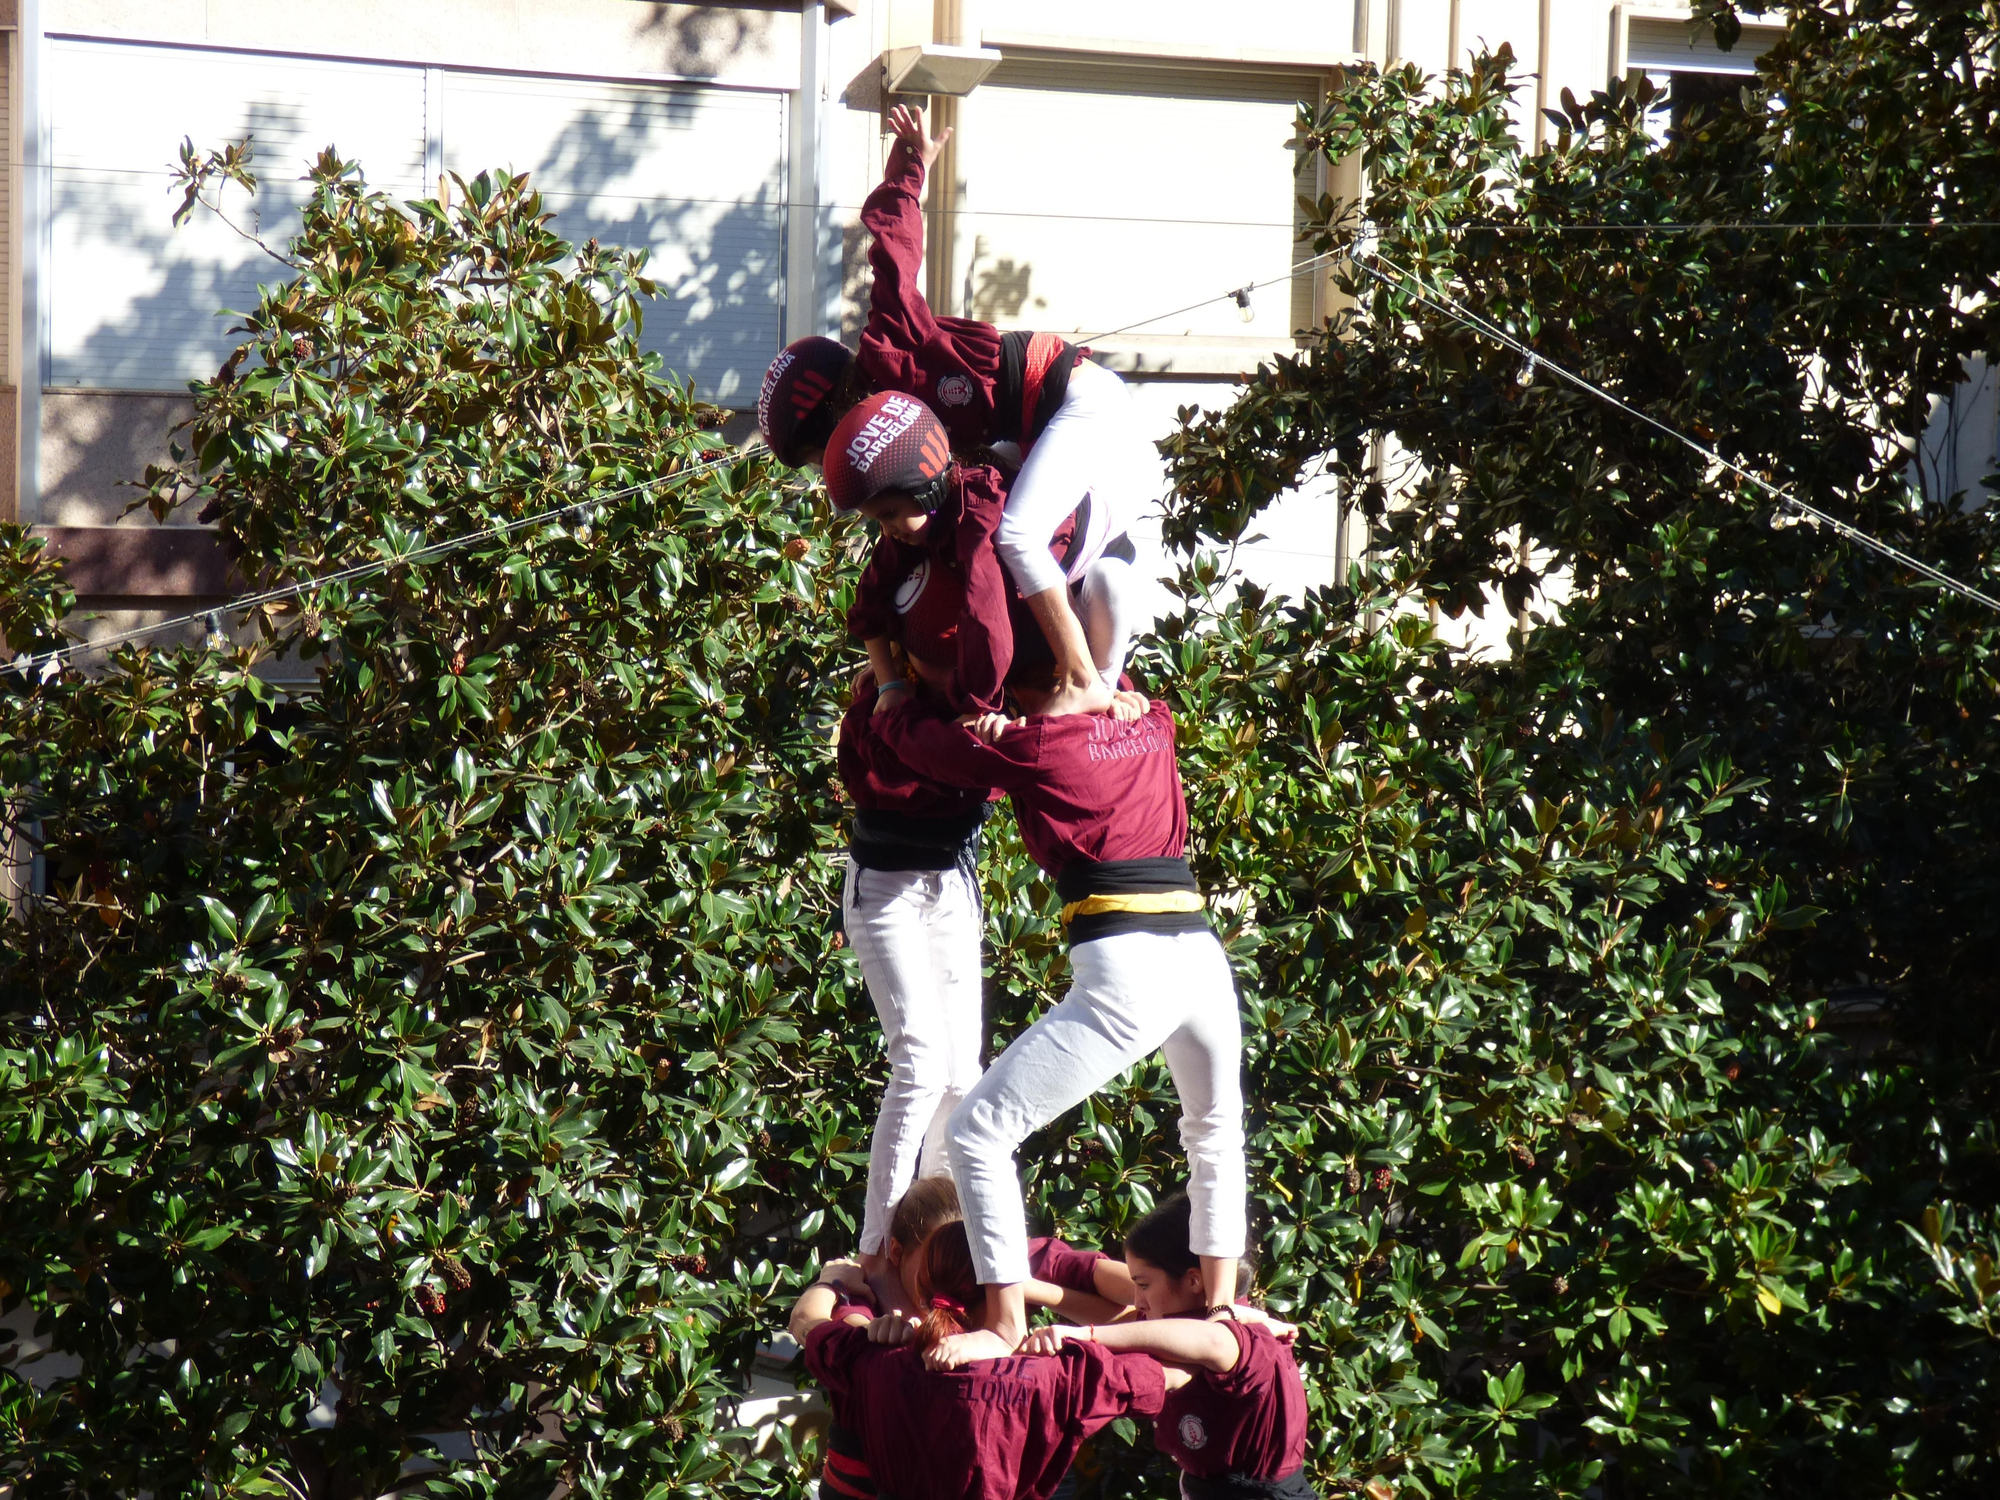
(1074, 698)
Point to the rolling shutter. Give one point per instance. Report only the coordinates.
(1099, 194)
(693, 174)
(132, 301)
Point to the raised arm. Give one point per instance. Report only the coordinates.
(894, 216)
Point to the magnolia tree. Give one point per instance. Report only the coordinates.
(460, 1046)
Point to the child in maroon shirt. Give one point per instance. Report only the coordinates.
(1085, 457)
(1237, 1429)
(1099, 806)
(1006, 1431)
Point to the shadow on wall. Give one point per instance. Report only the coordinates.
(608, 173)
(997, 293)
(698, 43)
(94, 441)
(174, 330)
(719, 263)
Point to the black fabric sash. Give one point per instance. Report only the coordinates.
(898, 841)
(1010, 388)
(850, 1480)
(1129, 877)
(1294, 1486)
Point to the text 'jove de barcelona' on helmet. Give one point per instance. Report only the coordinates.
(888, 442)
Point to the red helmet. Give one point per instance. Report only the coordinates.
(888, 442)
(792, 409)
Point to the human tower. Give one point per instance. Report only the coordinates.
(1002, 470)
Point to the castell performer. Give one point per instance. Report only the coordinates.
(1237, 1429)
(1007, 1432)
(1085, 456)
(1099, 806)
(911, 906)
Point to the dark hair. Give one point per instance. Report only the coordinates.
(1161, 1239)
(930, 1204)
(948, 1284)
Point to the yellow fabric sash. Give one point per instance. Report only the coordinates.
(1145, 901)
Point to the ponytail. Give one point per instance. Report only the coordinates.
(948, 1283)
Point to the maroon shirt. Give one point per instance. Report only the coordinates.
(878, 781)
(952, 365)
(959, 536)
(1250, 1420)
(1050, 1260)
(1085, 786)
(1001, 1429)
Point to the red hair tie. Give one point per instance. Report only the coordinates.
(945, 1304)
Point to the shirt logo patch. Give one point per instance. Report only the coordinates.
(1193, 1434)
(911, 589)
(954, 390)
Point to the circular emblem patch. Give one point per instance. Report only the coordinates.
(954, 390)
(911, 589)
(1193, 1434)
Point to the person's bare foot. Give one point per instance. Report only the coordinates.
(962, 1349)
(1077, 698)
(1126, 706)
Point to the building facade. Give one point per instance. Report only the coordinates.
(1115, 159)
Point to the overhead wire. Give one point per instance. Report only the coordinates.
(46, 661)
(1362, 250)
(1367, 257)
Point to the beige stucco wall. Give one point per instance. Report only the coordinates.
(93, 444)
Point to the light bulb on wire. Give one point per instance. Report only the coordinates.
(1244, 309)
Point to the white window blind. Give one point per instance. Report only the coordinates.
(695, 174)
(131, 301)
(1662, 44)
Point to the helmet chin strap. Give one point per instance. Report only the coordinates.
(931, 496)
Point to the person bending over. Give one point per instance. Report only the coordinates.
(891, 461)
(1099, 806)
(1084, 1286)
(1237, 1429)
(1084, 457)
(1006, 1431)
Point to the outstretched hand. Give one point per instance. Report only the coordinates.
(1283, 1332)
(1048, 1339)
(962, 1349)
(988, 727)
(907, 125)
(892, 1328)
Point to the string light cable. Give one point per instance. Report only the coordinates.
(1367, 256)
(48, 662)
(1240, 295)
(1363, 248)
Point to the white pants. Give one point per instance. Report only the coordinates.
(1092, 446)
(1107, 607)
(916, 933)
(1132, 993)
